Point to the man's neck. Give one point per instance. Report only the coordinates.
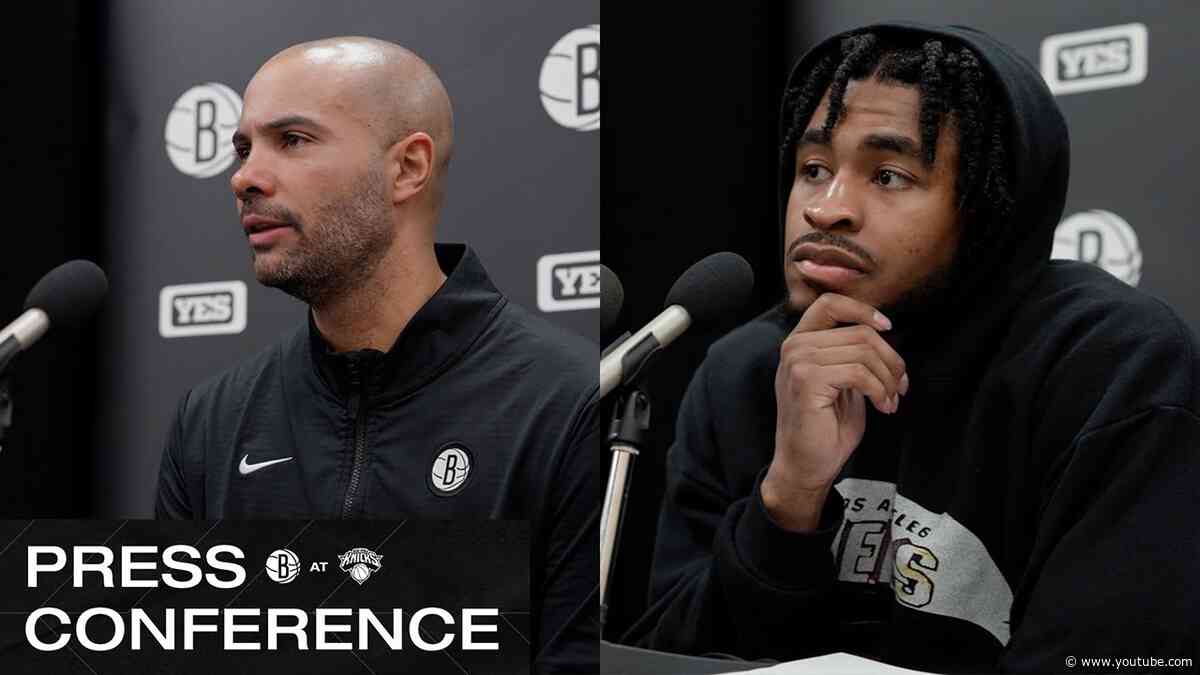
(373, 315)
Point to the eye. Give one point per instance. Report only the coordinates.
(812, 172)
(242, 150)
(891, 179)
(291, 139)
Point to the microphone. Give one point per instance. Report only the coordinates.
(717, 285)
(66, 295)
(612, 298)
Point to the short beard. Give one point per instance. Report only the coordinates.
(340, 251)
(926, 299)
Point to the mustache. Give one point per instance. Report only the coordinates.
(272, 211)
(830, 239)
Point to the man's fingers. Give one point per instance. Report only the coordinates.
(807, 343)
(859, 353)
(831, 309)
(860, 378)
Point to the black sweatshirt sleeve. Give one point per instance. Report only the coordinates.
(172, 501)
(1112, 568)
(1116, 553)
(567, 594)
(726, 578)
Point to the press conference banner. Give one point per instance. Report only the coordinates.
(142, 596)
(523, 190)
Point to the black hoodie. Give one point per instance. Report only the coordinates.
(1035, 497)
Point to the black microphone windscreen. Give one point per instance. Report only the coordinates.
(717, 285)
(69, 293)
(612, 297)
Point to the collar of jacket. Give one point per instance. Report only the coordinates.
(437, 335)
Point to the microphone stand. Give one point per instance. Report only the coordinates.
(6, 408)
(626, 437)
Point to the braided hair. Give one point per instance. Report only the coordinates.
(952, 84)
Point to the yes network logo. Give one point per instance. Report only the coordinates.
(568, 281)
(1095, 59)
(214, 308)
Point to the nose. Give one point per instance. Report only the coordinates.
(834, 208)
(253, 178)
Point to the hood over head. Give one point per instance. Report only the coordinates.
(985, 292)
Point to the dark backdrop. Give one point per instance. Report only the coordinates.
(688, 170)
(53, 201)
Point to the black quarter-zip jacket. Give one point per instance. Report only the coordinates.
(1033, 500)
(505, 399)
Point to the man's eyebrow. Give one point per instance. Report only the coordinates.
(815, 136)
(293, 121)
(901, 145)
(897, 143)
(282, 123)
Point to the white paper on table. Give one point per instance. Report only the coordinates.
(840, 663)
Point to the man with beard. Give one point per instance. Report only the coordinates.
(414, 388)
(943, 450)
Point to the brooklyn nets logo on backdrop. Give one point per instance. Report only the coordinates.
(570, 80)
(1095, 59)
(568, 281)
(200, 126)
(214, 308)
(1102, 238)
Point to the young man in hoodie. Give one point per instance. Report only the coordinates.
(943, 450)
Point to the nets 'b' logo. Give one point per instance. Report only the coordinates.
(200, 126)
(1095, 59)
(569, 281)
(450, 470)
(1102, 238)
(283, 566)
(570, 80)
(360, 563)
(202, 309)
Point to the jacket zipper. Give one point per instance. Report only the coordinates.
(359, 408)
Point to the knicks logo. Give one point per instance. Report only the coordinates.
(450, 471)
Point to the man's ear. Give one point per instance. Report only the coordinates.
(411, 163)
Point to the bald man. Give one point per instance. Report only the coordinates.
(414, 388)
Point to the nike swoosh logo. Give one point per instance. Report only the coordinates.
(246, 468)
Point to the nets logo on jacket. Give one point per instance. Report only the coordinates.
(932, 562)
(199, 129)
(1101, 238)
(212, 308)
(1101, 58)
(568, 281)
(450, 470)
(570, 80)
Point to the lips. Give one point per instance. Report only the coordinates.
(253, 224)
(830, 268)
(830, 257)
